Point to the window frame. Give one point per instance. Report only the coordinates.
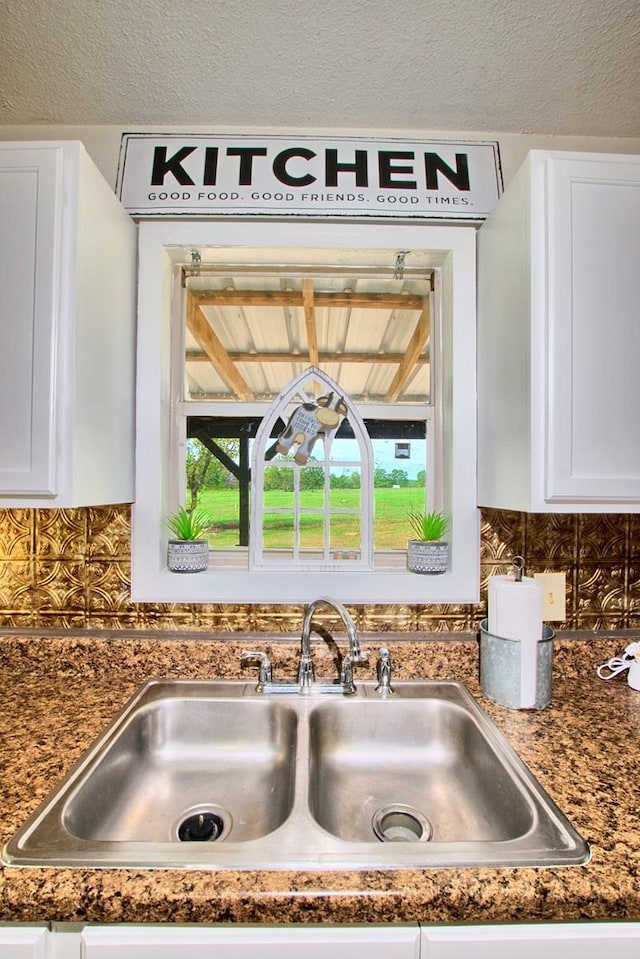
(162, 246)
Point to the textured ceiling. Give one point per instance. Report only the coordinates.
(565, 67)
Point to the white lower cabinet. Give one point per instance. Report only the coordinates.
(528, 941)
(536, 941)
(251, 942)
(25, 942)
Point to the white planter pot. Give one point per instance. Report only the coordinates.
(188, 555)
(427, 557)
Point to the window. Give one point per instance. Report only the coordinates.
(252, 321)
(230, 314)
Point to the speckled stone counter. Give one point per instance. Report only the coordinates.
(58, 694)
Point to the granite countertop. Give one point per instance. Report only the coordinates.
(59, 693)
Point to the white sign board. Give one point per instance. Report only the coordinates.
(205, 175)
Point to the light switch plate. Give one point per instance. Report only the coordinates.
(554, 600)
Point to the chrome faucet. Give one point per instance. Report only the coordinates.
(306, 672)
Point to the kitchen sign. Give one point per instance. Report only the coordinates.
(205, 175)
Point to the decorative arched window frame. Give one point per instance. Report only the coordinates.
(331, 556)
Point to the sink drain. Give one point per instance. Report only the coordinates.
(401, 823)
(201, 827)
(204, 825)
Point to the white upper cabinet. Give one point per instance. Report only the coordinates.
(67, 330)
(559, 337)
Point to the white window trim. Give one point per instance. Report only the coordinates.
(452, 255)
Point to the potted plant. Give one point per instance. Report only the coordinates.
(428, 552)
(188, 551)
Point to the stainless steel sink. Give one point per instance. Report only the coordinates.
(182, 756)
(214, 775)
(425, 768)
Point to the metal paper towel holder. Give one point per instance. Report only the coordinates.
(518, 568)
(500, 662)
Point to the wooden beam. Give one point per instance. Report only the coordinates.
(310, 320)
(295, 298)
(195, 356)
(416, 346)
(199, 327)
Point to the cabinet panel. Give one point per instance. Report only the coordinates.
(28, 200)
(594, 328)
(540, 941)
(24, 942)
(251, 942)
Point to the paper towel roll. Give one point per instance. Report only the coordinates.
(515, 608)
(515, 613)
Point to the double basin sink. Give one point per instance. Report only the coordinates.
(214, 775)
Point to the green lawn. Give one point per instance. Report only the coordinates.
(391, 508)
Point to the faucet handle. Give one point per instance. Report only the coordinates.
(346, 676)
(265, 673)
(306, 672)
(383, 671)
(346, 671)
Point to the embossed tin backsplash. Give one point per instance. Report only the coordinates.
(71, 569)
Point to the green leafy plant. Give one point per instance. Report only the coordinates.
(188, 525)
(428, 527)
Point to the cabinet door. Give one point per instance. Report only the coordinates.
(24, 942)
(593, 262)
(29, 264)
(543, 941)
(251, 942)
